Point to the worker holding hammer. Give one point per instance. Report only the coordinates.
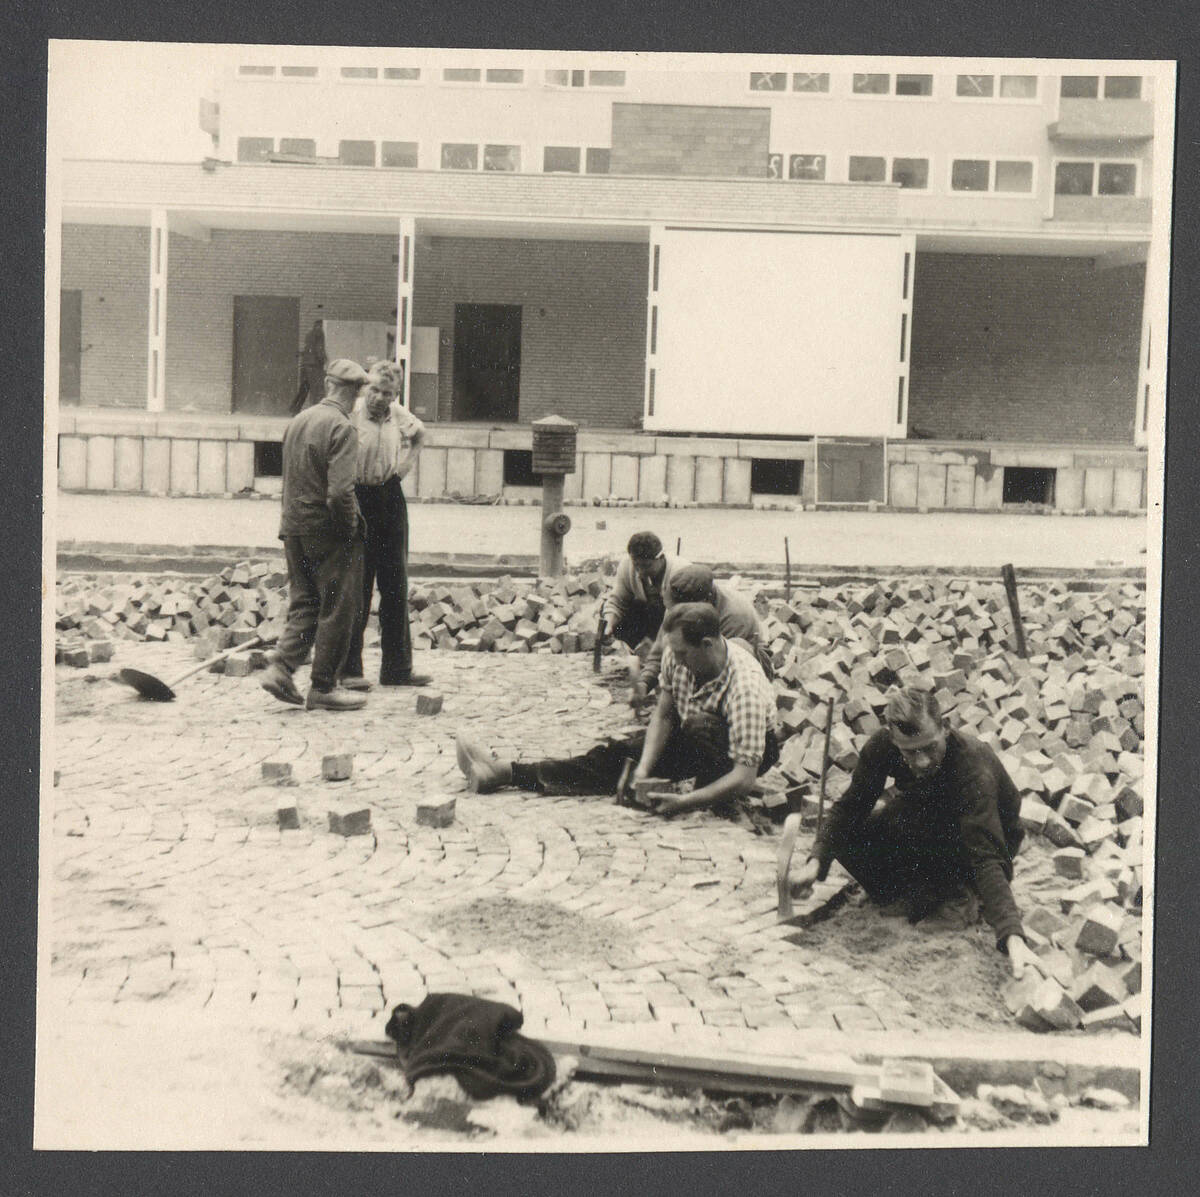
(714, 722)
(633, 609)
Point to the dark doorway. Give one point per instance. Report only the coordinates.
(487, 361)
(70, 345)
(1029, 484)
(775, 476)
(268, 459)
(518, 468)
(266, 347)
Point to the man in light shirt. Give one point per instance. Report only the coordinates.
(634, 607)
(389, 439)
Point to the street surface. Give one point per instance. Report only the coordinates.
(740, 537)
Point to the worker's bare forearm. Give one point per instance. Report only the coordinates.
(733, 784)
(657, 735)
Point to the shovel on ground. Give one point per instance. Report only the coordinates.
(154, 690)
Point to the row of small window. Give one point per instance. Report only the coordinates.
(398, 74)
(405, 155)
(971, 87)
(1000, 176)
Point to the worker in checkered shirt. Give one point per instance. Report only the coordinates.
(714, 722)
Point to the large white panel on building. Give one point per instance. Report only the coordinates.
(783, 333)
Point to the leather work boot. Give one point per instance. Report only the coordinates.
(359, 683)
(408, 679)
(278, 683)
(955, 914)
(483, 771)
(334, 700)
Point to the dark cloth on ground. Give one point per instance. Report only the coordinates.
(324, 595)
(475, 1040)
(320, 448)
(386, 558)
(957, 828)
(598, 770)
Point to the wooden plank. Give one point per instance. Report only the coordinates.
(684, 1078)
(825, 1070)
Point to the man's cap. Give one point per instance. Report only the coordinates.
(691, 580)
(344, 370)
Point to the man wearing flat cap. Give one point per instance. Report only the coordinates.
(322, 533)
(735, 614)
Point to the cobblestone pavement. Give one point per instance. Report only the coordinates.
(172, 884)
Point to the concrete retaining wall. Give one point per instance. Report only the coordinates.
(140, 452)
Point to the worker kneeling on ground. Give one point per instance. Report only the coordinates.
(944, 844)
(634, 608)
(713, 722)
(736, 617)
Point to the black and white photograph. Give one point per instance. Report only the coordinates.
(599, 601)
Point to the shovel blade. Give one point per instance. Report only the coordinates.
(147, 685)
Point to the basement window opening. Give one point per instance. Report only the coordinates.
(268, 459)
(1029, 484)
(518, 468)
(775, 476)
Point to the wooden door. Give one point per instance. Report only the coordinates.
(266, 348)
(487, 361)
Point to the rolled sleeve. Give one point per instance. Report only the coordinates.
(622, 595)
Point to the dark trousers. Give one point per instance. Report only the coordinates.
(311, 389)
(324, 592)
(641, 621)
(894, 857)
(598, 770)
(386, 561)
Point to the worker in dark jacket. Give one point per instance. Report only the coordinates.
(945, 843)
(322, 530)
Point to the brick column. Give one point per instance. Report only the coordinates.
(406, 252)
(156, 352)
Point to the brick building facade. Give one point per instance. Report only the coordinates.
(518, 274)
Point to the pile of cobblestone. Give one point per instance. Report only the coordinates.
(1067, 721)
(503, 614)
